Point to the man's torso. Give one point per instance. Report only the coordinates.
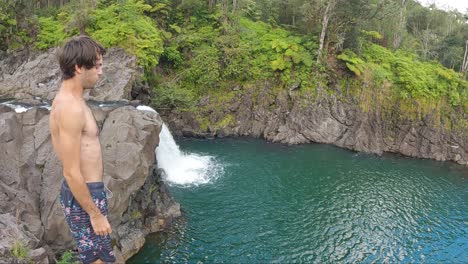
(90, 154)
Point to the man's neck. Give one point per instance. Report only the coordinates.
(73, 87)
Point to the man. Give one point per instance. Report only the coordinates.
(75, 139)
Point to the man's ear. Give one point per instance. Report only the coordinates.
(78, 69)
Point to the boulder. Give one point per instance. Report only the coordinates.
(17, 243)
(31, 176)
(24, 76)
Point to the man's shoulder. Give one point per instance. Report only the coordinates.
(68, 105)
(67, 110)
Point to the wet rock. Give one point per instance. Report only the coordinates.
(135, 103)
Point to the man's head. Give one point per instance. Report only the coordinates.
(82, 56)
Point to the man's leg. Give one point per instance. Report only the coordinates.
(91, 247)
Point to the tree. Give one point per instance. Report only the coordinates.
(464, 67)
(326, 17)
(401, 25)
(17, 25)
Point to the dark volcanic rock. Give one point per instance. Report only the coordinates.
(327, 119)
(13, 233)
(31, 175)
(25, 76)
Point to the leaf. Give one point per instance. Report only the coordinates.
(278, 64)
(157, 7)
(166, 34)
(175, 28)
(307, 60)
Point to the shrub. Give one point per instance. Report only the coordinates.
(20, 251)
(67, 258)
(51, 34)
(124, 24)
(410, 77)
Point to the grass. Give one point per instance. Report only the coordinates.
(20, 251)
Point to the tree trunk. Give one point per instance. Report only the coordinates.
(234, 6)
(401, 26)
(211, 4)
(225, 9)
(464, 66)
(326, 17)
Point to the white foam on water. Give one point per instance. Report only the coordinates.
(186, 169)
(17, 108)
(145, 108)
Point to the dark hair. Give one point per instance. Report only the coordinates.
(81, 51)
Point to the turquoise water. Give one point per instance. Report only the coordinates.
(317, 204)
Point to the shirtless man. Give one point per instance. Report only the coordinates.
(75, 139)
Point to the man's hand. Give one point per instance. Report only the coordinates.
(100, 225)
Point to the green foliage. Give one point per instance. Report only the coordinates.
(371, 35)
(191, 38)
(204, 50)
(67, 258)
(353, 62)
(168, 96)
(204, 71)
(172, 55)
(228, 120)
(121, 23)
(52, 33)
(275, 50)
(17, 25)
(77, 16)
(20, 251)
(411, 77)
(135, 215)
(234, 57)
(203, 122)
(207, 56)
(124, 24)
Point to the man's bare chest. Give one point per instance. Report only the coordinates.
(90, 129)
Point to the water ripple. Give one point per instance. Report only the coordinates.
(317, 204)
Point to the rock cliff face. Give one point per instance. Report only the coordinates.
(25, 76)
(286, 118)
(31, 176)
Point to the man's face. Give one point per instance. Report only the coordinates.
(90, 77)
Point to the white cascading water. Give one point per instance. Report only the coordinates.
(17, 108)
(186, 169)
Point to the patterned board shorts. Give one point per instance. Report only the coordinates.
(91, 247)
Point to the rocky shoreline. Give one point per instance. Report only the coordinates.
(328, 119)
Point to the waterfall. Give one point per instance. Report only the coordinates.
(181, 168)
(21, 107)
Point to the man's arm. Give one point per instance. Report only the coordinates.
(71, 123)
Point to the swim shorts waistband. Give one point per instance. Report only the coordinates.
(92, 186)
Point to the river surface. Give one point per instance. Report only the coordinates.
(261, 202)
